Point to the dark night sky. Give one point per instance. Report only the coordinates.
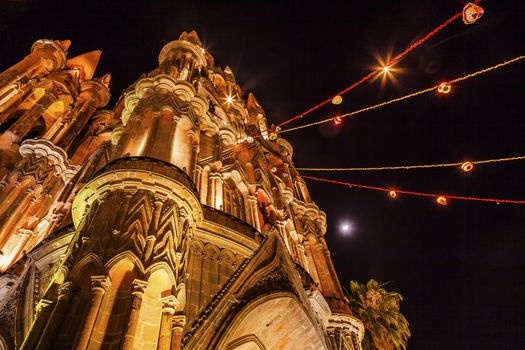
(459, 267)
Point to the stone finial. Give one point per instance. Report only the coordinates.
(105, 80)
(228, 74)
(64, 44)
(192, 37)
(87, 63)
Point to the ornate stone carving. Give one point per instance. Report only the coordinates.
(169, 304)
(100, 283)
(42, 159)
(161, 92)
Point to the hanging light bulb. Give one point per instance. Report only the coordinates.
(337, 100)
(441, 200)
(444, 88)
(467, 166)
(471, 13)
(338, 121)
(392, 194)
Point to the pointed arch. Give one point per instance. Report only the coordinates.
(159, 286)
(158, 266)
(268, 316)
(196, 246)
(247, 342)
(90, 259)
(126, 255)
(212, 251)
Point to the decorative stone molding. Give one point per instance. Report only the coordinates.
(55, 49)
(55, 155)
(286, 147)
(155, 92)
(43, 306)
(320, 306)
(22, 232)
(348, 323)
(100, 283)
(138, 288)
(196, 51)
(309, 216)
(169, 304)
(65, 289)
(98, 91)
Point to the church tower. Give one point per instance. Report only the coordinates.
(174, 221)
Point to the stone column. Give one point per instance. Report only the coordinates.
(137, 295)
(254, 212)
(282, 231)
(14, 95)
(197, 176)
(45, 57)
(12, 215)
(311, 263)
(211, 190)
(217, 200)
(124, 207)
(22, 236)
(169, 304)
(99, 286)
(176, 333)
(42, 312)
(55, 320)
(204, 184)
(93, 94)
(192, 136)
(26, 121)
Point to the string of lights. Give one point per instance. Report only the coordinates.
(414, 94)
(394, 60)
(465, 166)
(393, 193)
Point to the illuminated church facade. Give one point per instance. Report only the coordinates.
(175, 220)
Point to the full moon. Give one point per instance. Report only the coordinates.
(346, 228)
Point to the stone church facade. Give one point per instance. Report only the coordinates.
(175, 220)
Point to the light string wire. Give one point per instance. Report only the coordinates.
(420, 194)
(414, 94)
(374, 72)
(409, 167)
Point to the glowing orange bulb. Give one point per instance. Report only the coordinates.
(229, 99)
(467, 166)
(273, 136)
(392, 194)
(338, 121)
(337, 100)
(444, 88)
(471, 13)
(441, 200)
(386, 69)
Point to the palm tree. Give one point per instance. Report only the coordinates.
(385, 327)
